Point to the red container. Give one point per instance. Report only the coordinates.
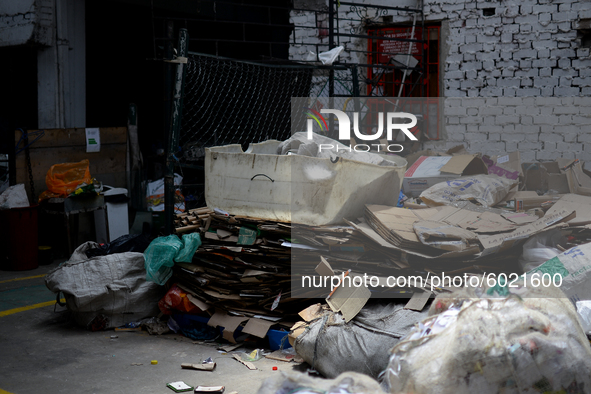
(18, 239)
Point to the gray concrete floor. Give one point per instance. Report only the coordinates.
(42, 351)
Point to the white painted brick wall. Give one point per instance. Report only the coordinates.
(541, 128)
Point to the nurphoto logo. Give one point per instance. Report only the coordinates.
(392, 120)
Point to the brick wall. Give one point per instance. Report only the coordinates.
(529, 51)
(541, 128)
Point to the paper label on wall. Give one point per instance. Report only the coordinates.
(93, 140)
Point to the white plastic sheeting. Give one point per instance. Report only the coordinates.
(528, 341)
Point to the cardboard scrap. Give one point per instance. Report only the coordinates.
(295, 331)
(580, 204)
(520, 217)
(230, 324)
(248, 364)
(395, 225)
(349, 300)
(198, 303)
(458, 164)
(444, 236)
(544, 177)
(418, 301)
(312, 312)
(323, 268)
(499, 242)
(257, 327)
(476, 219)
(578, 180)
(278, 355)
(199, 367)
(430, 170)
(419, 248)
(229, 348)
(223, 233)
(251, 272)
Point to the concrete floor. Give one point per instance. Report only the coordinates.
(42, 351)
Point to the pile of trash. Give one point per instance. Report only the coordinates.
(484, 339)
(282, 212)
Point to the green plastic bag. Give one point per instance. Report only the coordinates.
(191, 243)
(159, 256)
(162, 252)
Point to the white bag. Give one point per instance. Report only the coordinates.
(487, 190)
(527, 342)
(14, 197)
(574, 266)
(540, 248)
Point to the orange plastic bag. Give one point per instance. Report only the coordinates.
(177, 299)
(62, 179)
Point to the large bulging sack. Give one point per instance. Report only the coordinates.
(112, 289)
(527, 342)
(574, 266)
(332, 346)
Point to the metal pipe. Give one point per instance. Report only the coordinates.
(175, 125)
(412, 34)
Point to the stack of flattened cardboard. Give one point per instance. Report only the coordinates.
(245, 266)
(240, 264)
(395, 225)
(481, 231)
(243, 269)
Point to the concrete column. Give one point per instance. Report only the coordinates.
(61, 69)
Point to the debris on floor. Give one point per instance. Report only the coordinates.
(287, 355)
(179, 387)
(247, 364)
(209, 389)
(206, 365)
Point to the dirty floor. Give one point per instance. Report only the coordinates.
(43, 351)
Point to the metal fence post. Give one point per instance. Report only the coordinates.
(175, 125)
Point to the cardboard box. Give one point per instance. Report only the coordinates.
(563, 175)
(543, 177)
(430, 170)
(577, 178)
(507, 166)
